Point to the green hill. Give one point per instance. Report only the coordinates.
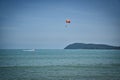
(90, 46)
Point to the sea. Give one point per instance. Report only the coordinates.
(59, 64)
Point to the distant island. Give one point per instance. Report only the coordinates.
(90, 46)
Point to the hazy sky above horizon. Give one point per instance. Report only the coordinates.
(41, 23)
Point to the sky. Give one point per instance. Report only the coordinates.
(41, 24)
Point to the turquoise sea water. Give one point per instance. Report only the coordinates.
(59, 64)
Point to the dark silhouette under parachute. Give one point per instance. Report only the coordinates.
(67, 22)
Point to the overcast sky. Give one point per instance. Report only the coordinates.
(41, 23)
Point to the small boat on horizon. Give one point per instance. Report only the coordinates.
(29, 50)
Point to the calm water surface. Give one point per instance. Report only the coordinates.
(56, 64)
